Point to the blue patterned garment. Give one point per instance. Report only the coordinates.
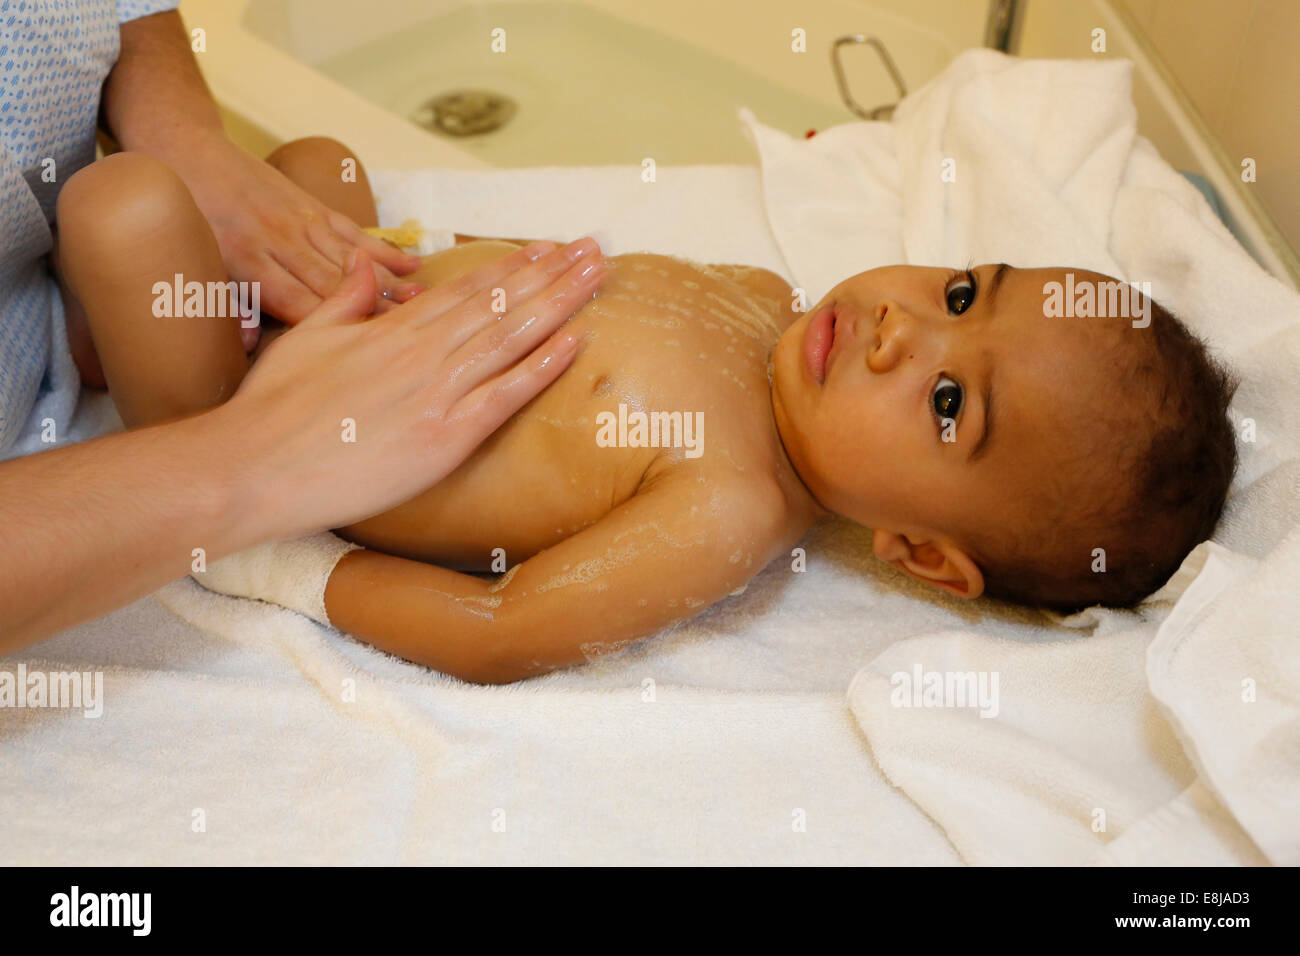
(54, 58)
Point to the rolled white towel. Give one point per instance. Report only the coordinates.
(435, 240)
(292, 572)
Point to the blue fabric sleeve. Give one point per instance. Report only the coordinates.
(135, 9)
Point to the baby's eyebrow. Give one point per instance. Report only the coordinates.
(994, 282)
(981, 446)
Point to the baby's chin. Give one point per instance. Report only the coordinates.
(783, 365)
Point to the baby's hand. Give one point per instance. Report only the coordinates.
(250, 336)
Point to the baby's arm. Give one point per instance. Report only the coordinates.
(676, 547)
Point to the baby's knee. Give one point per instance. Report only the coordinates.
(311, 154)
(119, 197)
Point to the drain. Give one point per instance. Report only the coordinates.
(467, 112)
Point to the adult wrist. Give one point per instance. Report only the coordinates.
(235, 483)
(183, 147)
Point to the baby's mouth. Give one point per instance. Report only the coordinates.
(818, 339)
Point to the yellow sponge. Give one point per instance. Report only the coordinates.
(405, 236)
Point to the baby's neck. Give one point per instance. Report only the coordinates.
(792, 483)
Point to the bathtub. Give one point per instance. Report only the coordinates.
(595, 82)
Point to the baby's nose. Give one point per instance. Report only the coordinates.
(892, 339)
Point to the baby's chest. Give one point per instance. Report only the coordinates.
(679, 312)
(670, 372)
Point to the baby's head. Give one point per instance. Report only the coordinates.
(998, 446)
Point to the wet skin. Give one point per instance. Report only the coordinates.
(662, 334)
(803, 415)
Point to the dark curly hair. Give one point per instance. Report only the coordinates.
(1174, 448)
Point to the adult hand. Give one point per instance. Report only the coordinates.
(271, 231)
(420, 386)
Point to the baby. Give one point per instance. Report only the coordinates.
(993, 450)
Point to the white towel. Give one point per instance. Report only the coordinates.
(724, 741)
(1226, 667)
(1114, 747)
(749, 724)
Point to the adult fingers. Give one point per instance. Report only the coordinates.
(524, 328)
(305, 263)
(282, 295)
(335, 245)
(486, 308)
(391, 258)
(442, 299)
(488, 406)
(395, 290)
(353, 298)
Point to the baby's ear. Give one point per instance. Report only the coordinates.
(936, 561)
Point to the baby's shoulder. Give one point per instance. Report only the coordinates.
(762, 281)
(756, 280)
(747, 501)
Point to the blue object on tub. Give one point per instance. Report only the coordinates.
(1203, 184)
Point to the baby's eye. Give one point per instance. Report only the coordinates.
(946, 399)
(960, 291)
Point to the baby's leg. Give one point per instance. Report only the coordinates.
(318, 165)
(126, 223)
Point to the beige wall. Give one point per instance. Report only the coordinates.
(1237, 61)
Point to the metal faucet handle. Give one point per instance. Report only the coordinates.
(880, 112)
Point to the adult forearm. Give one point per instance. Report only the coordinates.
(155, 100)
(91, 527)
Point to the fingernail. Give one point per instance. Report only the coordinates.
(413, 290)
(576, 250)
